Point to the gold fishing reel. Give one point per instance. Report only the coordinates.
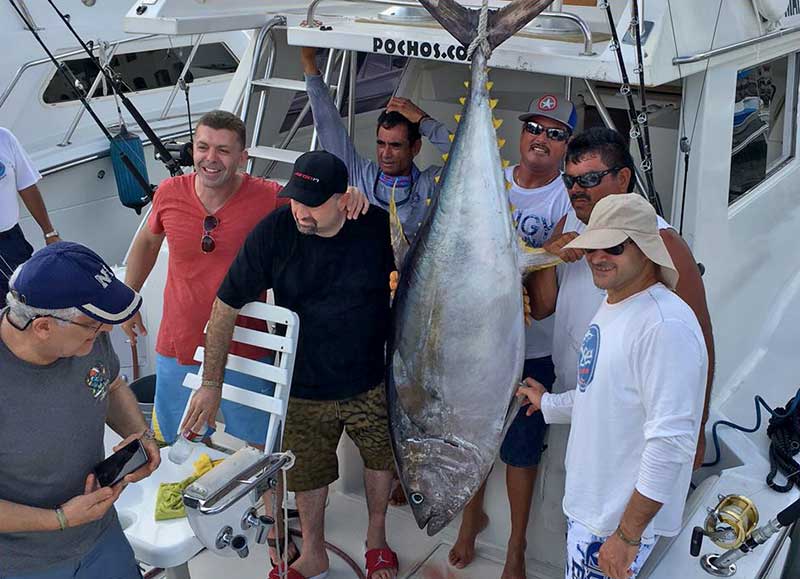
(731, 522)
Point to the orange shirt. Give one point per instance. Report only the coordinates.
(193, 277)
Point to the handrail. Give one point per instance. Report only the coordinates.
(31, 63)
(678, 60)
(580, 22)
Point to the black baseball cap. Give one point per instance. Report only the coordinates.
(316, 176)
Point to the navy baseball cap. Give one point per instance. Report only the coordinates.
(316, 176)
(66, 275)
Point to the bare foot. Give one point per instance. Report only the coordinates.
(515, 563)
(463, 552)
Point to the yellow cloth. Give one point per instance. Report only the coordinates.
(169, 499)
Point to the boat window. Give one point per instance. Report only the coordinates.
(764, 123)
(145, 70)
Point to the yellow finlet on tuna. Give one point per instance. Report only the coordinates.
(489, 84)
(497, 123)
(436, 180)
(444, 157)
(505, 163)
(451, 136)
(457, 118)
(462, 100)
(466, 84)
(493, 103)
(501, 143)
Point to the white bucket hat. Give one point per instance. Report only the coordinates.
(616, 218)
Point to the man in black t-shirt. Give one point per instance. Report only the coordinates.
(334, 273)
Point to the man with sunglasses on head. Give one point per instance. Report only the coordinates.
(636, 409)
(599, 164)
(399, 140)
(539, 200)
(205, 217)
(59, 387)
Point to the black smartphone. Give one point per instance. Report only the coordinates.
(126, 460)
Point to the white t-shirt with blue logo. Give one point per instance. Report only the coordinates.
(641, 384)
(16, 173)
(536, 212)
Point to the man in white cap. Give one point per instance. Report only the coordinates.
(636, 411)
(539, 199)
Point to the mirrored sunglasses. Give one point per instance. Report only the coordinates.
(587, 180)
(551, 133)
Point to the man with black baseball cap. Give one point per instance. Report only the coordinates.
(334, 273)
(59, 387)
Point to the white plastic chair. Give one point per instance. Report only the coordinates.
(279, 371)
(171, 544)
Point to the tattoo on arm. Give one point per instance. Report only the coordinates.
(218, 341)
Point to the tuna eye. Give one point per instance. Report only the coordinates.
(417, 498)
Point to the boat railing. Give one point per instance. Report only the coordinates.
(574, 18)
(705, 55)
(105, 58)
(39, 61)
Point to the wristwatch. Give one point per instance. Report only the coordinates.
(50, 234)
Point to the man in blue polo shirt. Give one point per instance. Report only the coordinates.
(59, 387)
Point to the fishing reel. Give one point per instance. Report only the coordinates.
(732, 525)
(729, 523)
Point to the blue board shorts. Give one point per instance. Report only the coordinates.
(583, 548)
(524, 442)
(243, 422)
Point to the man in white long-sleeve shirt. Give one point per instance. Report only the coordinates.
(636, 411)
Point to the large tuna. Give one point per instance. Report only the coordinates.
(458, 339)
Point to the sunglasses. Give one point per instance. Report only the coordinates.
(615, 250)
(94, 329)
(587, 180)
(551, 133)
(207, 243)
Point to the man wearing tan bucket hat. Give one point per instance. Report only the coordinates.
(636, 411)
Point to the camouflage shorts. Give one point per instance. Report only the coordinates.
(313, 430)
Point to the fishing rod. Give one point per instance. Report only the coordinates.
(79, 91)
(162, 153)
(636, 118)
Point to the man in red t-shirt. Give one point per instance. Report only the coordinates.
(205, 217)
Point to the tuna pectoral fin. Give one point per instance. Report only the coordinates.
(531, 259)
(462, 22)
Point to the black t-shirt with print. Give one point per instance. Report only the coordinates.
(339, 287)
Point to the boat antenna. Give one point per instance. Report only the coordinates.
(80, 92)
(162, 153)
(638, 119)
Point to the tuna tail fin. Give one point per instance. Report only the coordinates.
(462, 22)
(531, 259)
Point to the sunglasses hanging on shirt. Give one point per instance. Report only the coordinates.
(207, 243)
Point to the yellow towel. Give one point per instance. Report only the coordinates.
(169, 499)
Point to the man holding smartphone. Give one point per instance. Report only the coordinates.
(59, 387)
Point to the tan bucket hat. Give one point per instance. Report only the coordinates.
(618, 217)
